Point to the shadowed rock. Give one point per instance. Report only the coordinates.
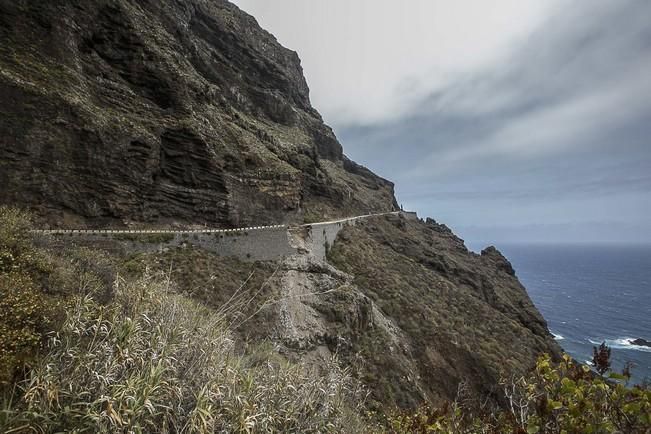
(133, 112)
(641, 342)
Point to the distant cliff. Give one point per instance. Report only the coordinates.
(128, 111)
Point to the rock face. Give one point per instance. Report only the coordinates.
(461, 318)
(149, 111)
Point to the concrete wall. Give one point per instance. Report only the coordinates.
(258, 243)
(321, 236)
(253, 244)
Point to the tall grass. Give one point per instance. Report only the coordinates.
(155, 361)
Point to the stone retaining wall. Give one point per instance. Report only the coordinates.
(254, 244)
(321, 236)
(257, 243)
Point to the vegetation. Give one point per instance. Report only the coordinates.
(147, 358)
(234, 288)
(456, 312)
(90, 346)
(155, 361)
(311, 216)
(25, 312)
(555, 398)
(601, 358)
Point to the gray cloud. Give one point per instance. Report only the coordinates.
(370, 60)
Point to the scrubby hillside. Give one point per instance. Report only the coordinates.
(193, 343)
(89, 344)
(461, 317)
(160, 112)
(402, 302)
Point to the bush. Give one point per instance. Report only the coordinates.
(34, 287)
(571, 398)
(26, 317)
(555, 398)
(25, 314)
(15, 244)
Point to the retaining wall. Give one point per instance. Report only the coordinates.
(262, 243)
(409, 215)
(321, 236)
(258, 243)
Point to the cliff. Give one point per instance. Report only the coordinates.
(126, 112)
(151, 113)
(459, 317)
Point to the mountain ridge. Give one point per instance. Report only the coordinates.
(172, 112)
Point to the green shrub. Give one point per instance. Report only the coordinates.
(555, 398)
(25, 313)
(25, 317)
(34, 287)
(567, 397)
(16, 250)
(311, 216)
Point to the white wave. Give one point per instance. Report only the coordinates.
(557, 336)
(622, 344)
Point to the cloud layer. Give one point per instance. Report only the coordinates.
(370, 60)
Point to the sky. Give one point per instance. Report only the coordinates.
(509, 120)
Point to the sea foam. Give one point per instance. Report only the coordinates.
(622, 344)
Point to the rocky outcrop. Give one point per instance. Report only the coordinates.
(641, 342)
(129, 112)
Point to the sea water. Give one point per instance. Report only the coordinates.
(591, 294)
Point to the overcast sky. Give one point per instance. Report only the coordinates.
(507, 120)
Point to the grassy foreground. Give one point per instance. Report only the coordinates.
(85, 350)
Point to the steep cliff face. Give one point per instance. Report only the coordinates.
(147, 112)
(125, 111)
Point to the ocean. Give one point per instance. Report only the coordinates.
(591, 294)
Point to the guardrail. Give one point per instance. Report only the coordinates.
(196, 231)
(152, 231)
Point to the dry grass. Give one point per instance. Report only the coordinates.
(156, 361)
